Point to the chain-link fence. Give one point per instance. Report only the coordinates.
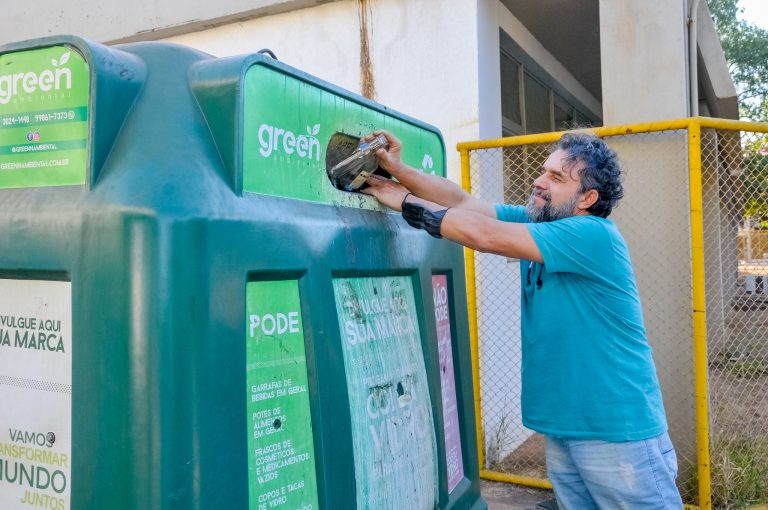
(717, 406)
(735, 190)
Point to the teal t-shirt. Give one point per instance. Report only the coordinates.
(587, 366)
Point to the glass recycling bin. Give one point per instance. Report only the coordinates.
(193, 316)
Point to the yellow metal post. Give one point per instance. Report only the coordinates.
(528, 481)
(469, 264)
(699, 315)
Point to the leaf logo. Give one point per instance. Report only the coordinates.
(63, 60)
(427, 162)
(314, 130)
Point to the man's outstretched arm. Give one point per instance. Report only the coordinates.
(487, 235)
(464, 226)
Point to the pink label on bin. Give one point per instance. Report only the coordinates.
(447, 382)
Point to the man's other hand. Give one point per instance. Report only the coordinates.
(386, 191)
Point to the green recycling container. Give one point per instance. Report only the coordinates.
(193, 317)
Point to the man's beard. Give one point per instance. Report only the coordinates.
(549, 212)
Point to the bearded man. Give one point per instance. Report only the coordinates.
(589, 383)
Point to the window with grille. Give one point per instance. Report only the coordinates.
(531, 100)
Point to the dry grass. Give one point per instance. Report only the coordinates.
(739, 473)
(738, 384)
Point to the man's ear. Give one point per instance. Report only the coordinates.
(588, 199)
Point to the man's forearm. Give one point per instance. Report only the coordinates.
(486, 235)
(430, 187)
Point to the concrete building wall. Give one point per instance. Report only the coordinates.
(654, 217)
(644, 52)
(436, 60)
(113, 21)
(716, 228)
(497, 278)
(647, 82)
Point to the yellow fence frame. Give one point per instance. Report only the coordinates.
(693, 125)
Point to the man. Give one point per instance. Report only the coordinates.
(589, 382)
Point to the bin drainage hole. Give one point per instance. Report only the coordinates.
(277, 423)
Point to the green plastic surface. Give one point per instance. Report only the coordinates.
(288, 123)
(392, 425)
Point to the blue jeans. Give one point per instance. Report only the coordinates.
(634, 475)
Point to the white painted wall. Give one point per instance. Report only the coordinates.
(436, 60)
(424, 57)
(115, 20)
(654, 217)
(496, 280)
(489, 76)
(643, 53)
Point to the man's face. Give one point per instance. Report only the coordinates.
(556, 191)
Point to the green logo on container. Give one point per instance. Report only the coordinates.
(274, 139)
(44, 95)
(54, 78)
(288, 124)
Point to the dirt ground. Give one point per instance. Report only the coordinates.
(527, 460)
(739, 404)
(738, 374)
(507, 496)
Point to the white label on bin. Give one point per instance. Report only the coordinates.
(36, 394)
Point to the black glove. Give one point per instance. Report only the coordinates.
(419, 216)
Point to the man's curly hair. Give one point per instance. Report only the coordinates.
(601, 170)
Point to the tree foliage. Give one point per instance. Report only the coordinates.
(746, 50)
